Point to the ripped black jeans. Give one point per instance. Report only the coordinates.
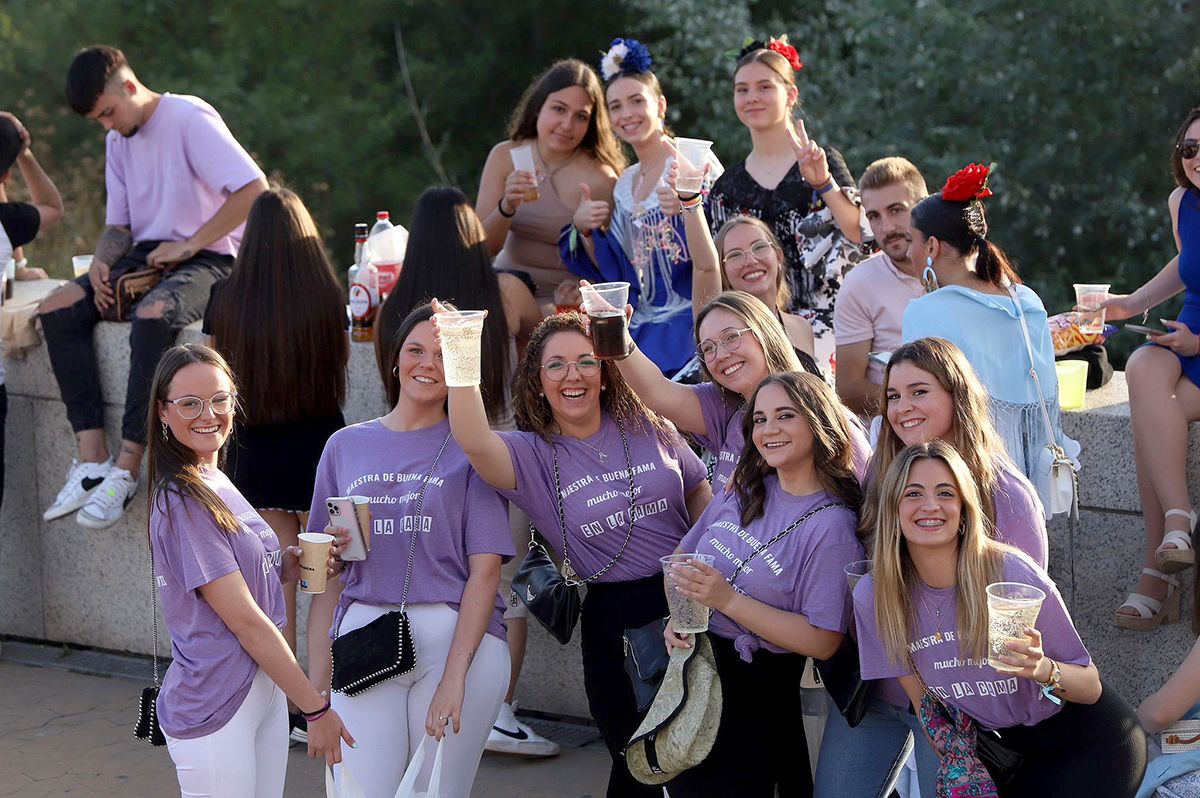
(174, 303)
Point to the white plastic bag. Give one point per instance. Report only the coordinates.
(345, 787)
(408, 784)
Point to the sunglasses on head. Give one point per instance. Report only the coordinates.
(1189, 147)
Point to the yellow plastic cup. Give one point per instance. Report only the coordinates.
(1072, 383)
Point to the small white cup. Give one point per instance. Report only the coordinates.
(81, 263)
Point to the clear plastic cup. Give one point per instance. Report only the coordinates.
(1088, 298)
(314, 561)
(1013, 607)
(688, 616)
(81, 264)
(693, 157)
(462, 336)
(604, 304)
(522, 159)
(856, 571)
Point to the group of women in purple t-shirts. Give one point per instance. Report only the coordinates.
(602, 457)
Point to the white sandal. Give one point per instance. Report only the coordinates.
(1181, 557)
(1151, 613)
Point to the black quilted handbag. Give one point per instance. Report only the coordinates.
(381, 650)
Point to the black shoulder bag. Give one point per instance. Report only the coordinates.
(551, 595)
(384, 648)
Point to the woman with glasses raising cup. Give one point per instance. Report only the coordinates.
(740, 344)
(612, 487)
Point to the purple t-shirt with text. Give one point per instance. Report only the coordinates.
(595, 496)
(1020, 521)
(171, 176)
(723, 435)
(802, 573)
(210, 672)
(461, 514)
(995, 700)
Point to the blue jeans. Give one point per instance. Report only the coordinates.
(866, 761)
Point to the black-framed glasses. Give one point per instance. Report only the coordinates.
(736, 257)
(1189, 147)
(190, 407)
(729, 340)
(557, 369)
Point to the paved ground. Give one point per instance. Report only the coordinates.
(64, 733)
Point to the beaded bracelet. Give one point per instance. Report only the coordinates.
(315, 716)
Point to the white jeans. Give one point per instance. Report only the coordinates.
(245, 758)
(388, 720)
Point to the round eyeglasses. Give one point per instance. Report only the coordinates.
(729, 340)
(557, 369)
(190, 407)
(734, 258)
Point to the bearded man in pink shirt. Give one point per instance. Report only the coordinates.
(179, 189)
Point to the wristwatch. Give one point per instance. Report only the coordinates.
(1053, 683)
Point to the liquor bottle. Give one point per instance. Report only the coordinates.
(360, 238)
(364, 298)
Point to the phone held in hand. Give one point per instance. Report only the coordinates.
(1142, 329)
(353, 514)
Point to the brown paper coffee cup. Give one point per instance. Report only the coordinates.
(314, 561)
(362, 513)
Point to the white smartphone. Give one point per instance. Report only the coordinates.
(343, 516)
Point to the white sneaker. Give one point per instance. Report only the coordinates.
(508, 736)
(82, 481)
(108, 503)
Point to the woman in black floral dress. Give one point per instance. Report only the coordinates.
(811, 204)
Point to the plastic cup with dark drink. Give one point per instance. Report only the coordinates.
(604, 304)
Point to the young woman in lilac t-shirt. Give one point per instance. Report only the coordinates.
(790, 599)
(740, 344)
(924, 606)
(930, 391)
(402, 461)
(585, 438)
(218, 569)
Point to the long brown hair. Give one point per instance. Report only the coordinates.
(280, 318)
(1177, 170)
(777, 350)
(599, 140)
(447, 259)
(532, 410)
(833, 451)
(980, 559)
(974, 435)
(173, 467)
(783, 292)
(417, 315)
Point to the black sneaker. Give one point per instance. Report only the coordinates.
(299, 727)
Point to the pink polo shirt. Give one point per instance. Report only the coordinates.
(870, 307)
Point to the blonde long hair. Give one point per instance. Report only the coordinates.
(974, 435)
(783, 292)
(979, 558)
(777, 350)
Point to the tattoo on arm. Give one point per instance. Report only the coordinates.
(113, 245)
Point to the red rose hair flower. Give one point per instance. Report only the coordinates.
(782, 47)
(968, 183)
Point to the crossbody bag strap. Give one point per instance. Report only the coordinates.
(418, 522)
(153, 605)
(737, 571)
(1051, 438)
(569, 574)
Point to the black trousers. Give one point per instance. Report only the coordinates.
(608, 610)
(183, 294)
(1093, 750)
(760, 745)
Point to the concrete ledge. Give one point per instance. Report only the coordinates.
(63, 583)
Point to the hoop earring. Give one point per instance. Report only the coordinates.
(962, 527)
(164, 429)
(929, 279)
(396, 372)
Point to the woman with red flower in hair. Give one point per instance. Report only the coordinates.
(978, 303)
(803, 191)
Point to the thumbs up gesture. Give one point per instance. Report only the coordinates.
(591, 213)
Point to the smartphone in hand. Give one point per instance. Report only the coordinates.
(1142, 329)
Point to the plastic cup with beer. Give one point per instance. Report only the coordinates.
(693, 157)
(604, 304)
(855, 571)
(462, 335)
(522, 158)
(688, 616)
(1013, 607)
(81, 264)
(1090, 298)
(314, 561)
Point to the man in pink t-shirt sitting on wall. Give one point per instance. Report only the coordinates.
(179, 189)
(870, 306)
